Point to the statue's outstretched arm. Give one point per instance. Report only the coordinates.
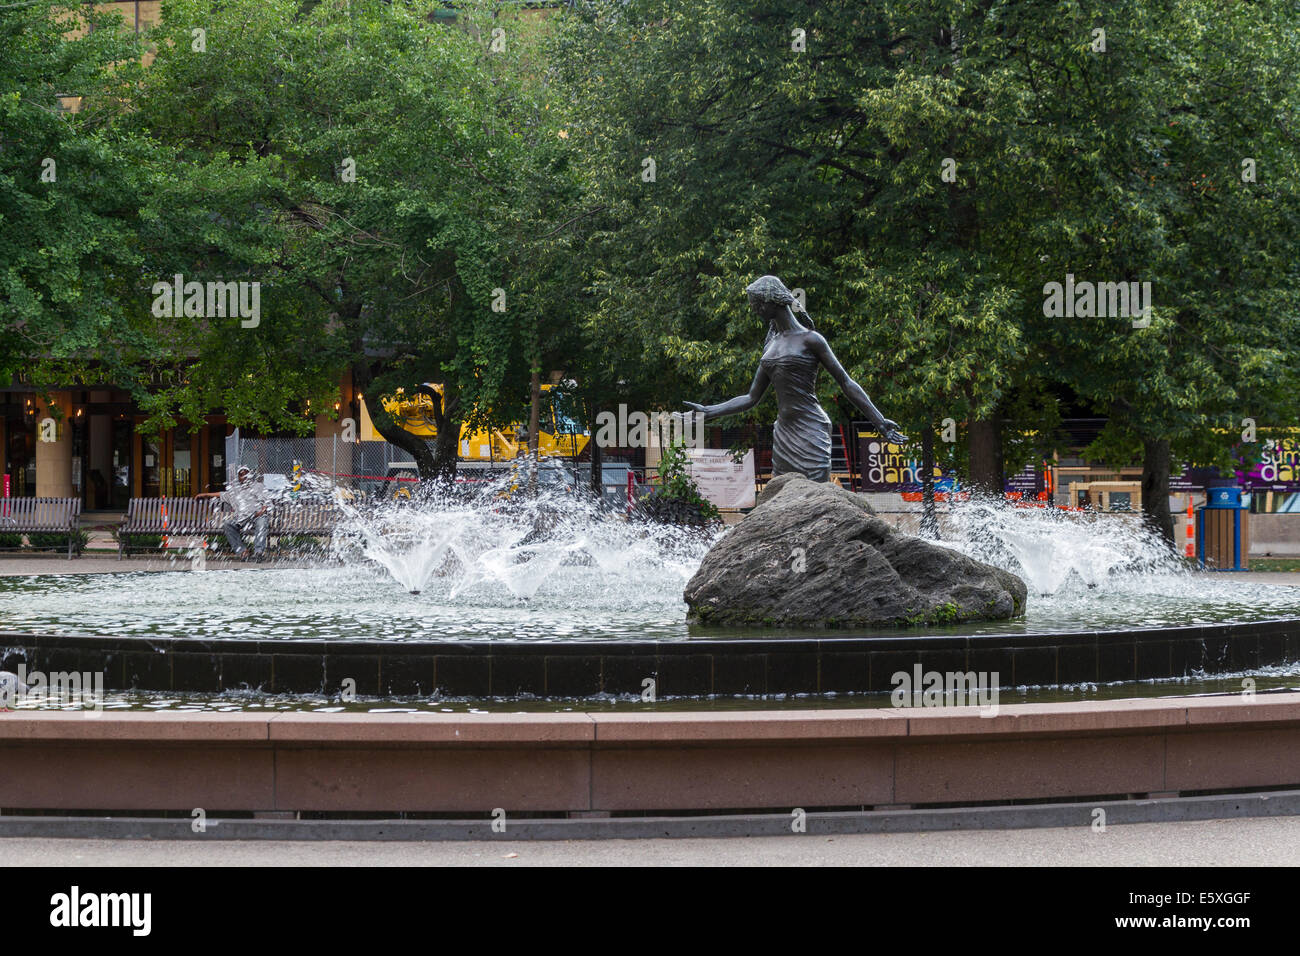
(855, 392)
(741, 403)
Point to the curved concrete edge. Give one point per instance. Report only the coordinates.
(644, 763)
(1116, 813)
(642, 727)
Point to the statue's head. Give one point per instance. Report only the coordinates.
(768, 296)
(768, 291)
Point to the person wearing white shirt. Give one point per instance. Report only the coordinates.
(248, 500)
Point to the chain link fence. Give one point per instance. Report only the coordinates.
(356, 466)
(371, 468)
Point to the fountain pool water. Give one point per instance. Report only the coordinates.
(558, 569)
(1268, 679)
(572, 602)
(492, 597)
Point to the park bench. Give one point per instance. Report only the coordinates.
(308, 518)
(203, 516)
(166, 516)
(41, 516)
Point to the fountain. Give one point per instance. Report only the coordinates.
(491, 594)
(479, 543)
(1048, 544)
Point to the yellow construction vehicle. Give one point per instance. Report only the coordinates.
(560, 433)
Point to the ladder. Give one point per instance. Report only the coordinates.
(841, 456)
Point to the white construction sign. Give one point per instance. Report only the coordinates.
(724, 482)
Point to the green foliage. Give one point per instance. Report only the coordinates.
(1141, 155)
(58, 542)
(235, 163)
(921, 170)
(821, 166)
(297, 542)
(69, 192)
(140, 541)
(676, 483)
(826, 166)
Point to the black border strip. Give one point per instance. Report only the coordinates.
(738, 667)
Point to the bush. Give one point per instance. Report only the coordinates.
(678, 499)
(140, 542)
(297, 542)
(10, 540)
(58, 542)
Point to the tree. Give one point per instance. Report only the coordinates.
(1137, 149)
(924, 172)
(68, 198)
(383, 177)
(813, 142)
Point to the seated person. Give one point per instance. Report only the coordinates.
(248, 500)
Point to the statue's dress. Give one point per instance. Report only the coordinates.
(801, 435)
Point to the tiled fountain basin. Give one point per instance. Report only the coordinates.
(678, 669)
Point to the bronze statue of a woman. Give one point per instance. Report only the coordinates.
(792, 355)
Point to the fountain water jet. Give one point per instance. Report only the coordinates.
(491, 537)
(1044, 546)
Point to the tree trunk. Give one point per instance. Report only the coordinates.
(392, 433)
(534, 421)
(597, 456)
(446, 445)
(929, 520)
(1155, 488)
(986, 456)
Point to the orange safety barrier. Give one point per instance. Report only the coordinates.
(938, 495)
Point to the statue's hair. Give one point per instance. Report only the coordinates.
(771, 289)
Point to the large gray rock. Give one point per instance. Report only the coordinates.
(813, 555)
(775, 485)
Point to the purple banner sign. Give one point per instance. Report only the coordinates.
(1027, 481)
(1277, 470)
(885, 466)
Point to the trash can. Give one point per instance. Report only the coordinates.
(1223, 530)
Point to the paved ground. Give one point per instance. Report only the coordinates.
(1251, 842)
(176, 560)
(1264, 577)
(101, 554)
